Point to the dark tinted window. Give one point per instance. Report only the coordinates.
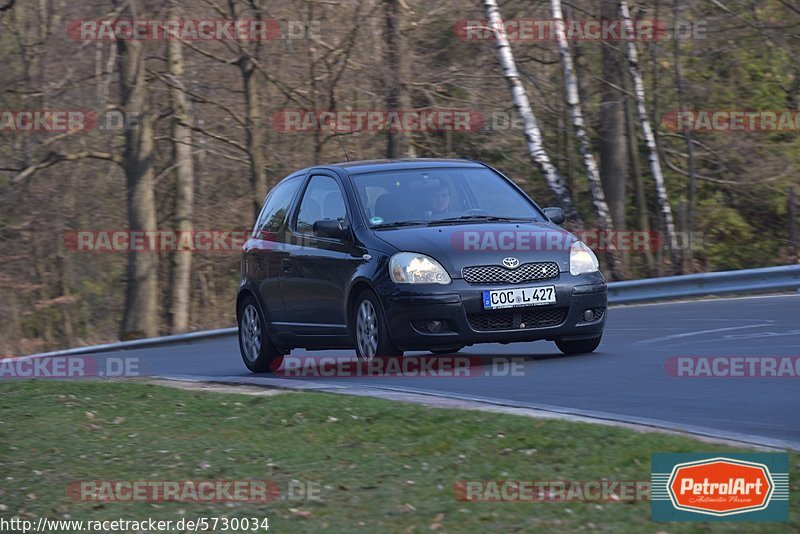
(322, 200)
(273, 215)
(436, 194)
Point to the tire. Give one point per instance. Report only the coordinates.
(258, 351)
(450, 350)
(578, 346)
(369, 327)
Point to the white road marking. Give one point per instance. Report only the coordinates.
(700, 332)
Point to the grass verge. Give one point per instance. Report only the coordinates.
(379, 465)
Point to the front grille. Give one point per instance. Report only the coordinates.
(495, 274)
(515, 319)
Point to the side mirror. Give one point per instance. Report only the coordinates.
(556, 215)
(330, 228)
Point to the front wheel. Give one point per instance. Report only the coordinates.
(258, 351)
(578, 346)
(370, 330)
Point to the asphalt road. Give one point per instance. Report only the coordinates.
(624, 380)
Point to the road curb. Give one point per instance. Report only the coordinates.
(467, 402)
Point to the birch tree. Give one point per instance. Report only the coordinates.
(647, 131)
(533, 134)
(576, 114)
(574, 105)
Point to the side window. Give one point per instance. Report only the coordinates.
(322, 200)
(273, 215)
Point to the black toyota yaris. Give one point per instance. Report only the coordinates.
(418, 254)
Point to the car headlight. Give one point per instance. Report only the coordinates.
(413, 268)
(582, 259)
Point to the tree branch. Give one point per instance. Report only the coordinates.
(53, 158)
(218, 137)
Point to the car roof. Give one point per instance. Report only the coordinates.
(365, 166)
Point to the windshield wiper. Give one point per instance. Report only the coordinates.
(400, 223)
(468, 218)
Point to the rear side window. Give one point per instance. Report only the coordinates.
(273, 215)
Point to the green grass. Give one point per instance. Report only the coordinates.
(382, 466)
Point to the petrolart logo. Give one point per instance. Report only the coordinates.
(720, 487)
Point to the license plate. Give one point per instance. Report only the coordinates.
(519, 297)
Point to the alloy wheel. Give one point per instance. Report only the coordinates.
(250, 330)
(367, 330)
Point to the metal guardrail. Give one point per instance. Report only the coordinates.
(143, 343)
(706, 284)
(648, 290)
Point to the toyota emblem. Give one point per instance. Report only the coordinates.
(510, 262)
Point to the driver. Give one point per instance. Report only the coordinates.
(439, 200)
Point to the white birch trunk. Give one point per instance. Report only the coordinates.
(574, 104)
(638, 89)
(533, 135)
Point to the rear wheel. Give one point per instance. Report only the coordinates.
(370, 329)
(578, 346)
(258, 351)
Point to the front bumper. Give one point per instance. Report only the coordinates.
(458, 307)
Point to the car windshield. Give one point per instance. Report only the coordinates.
(440, 196)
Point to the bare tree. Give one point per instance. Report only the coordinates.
(140, 318)
(247, 62)
(533, 134)
(687, 136)
(181, 268)
(647, 131)
(576, 114)
(612, 142)
(391, 9)
(638, 183)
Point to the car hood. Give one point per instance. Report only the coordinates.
(462, 245)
